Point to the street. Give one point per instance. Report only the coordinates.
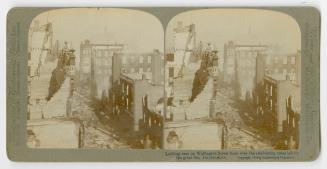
(98, 131)
(241, 135)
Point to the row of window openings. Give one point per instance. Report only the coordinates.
(102, 62)
(247, 73)
(110, 53)
(133, 70)
(276, 59)
(99, 52)
(131, 59)
(285, 71)
(244, 53)
(106, 62)
(103, 71)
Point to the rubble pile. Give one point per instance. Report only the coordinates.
(81, 110)
(95, 138)
(224, 105)
(240, 136)
(240, 140)
(96, 135)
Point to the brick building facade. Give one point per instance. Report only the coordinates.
(240, 67)
(278, 111)
(96, 65)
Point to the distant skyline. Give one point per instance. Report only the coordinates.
(243, 26)
(140, 31)
(143, 32)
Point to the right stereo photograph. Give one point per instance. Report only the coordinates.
(232, 80)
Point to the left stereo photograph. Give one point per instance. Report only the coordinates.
(95, 79)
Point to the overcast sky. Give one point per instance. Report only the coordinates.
(244, 26)
(141, 31)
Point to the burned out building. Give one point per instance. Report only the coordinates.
(138, 63)
(284, 65)
(278, 97)
(184, 42)
(102, 52)
(280, 110)
(240, 67)
(96, 65)
(139, 99)
(132, 84)
(278, 66)
(183, 50)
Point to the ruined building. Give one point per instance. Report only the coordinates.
(184, 47)
(286, 65)
(136, 76)
(240, 67)
(280, 107)
(278, 97)
(96, 66)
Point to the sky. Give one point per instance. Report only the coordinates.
(243, 26)
(142, 32)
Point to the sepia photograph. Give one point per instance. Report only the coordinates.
(163, 84)
(99, 78)
(232, 80)
(95, 79)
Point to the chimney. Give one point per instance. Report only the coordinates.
(156, 67)
(116, 67)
